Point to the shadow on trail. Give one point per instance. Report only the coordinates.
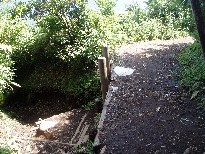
(28, 107)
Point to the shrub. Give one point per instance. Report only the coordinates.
(193, 71)
(6, 150)
(6, 69)
(60, 51)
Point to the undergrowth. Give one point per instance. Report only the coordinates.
(193, 72)
(86, 148)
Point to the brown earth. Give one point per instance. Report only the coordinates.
(49, 125)
(150, 112)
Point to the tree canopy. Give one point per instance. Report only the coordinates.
(55, 43)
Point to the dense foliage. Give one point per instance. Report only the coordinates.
(193, 68)
(58, 50)
(55, 43)
(6, 71)
(192, 72)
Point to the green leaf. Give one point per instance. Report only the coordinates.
(195, 93)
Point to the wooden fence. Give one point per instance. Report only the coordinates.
(104, 70)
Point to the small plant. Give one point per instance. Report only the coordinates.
(5, 150)
(8, 147)
(88, 106)
(201, 104)
(97, 119)
(86, 148)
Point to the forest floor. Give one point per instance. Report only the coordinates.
(47, 125)
(149, 112)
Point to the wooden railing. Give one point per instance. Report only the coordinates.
(104, 70)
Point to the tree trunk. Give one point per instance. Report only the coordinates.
(196, 8)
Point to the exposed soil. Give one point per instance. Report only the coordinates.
(23, 104)
(150, 112)
(47, 123)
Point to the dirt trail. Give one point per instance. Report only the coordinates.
(150, 112)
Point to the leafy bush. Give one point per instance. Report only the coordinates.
(155, 29)
(6, 150)
(193, 71)
(193, 65)
(6, 69)
(59, 51)
(106, 7)
(177, 13)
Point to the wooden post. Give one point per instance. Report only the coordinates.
(103, 76)
(105, 53)
(196, 8)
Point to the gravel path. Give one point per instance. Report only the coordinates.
(150, 112)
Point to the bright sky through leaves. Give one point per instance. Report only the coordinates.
(121, 4)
